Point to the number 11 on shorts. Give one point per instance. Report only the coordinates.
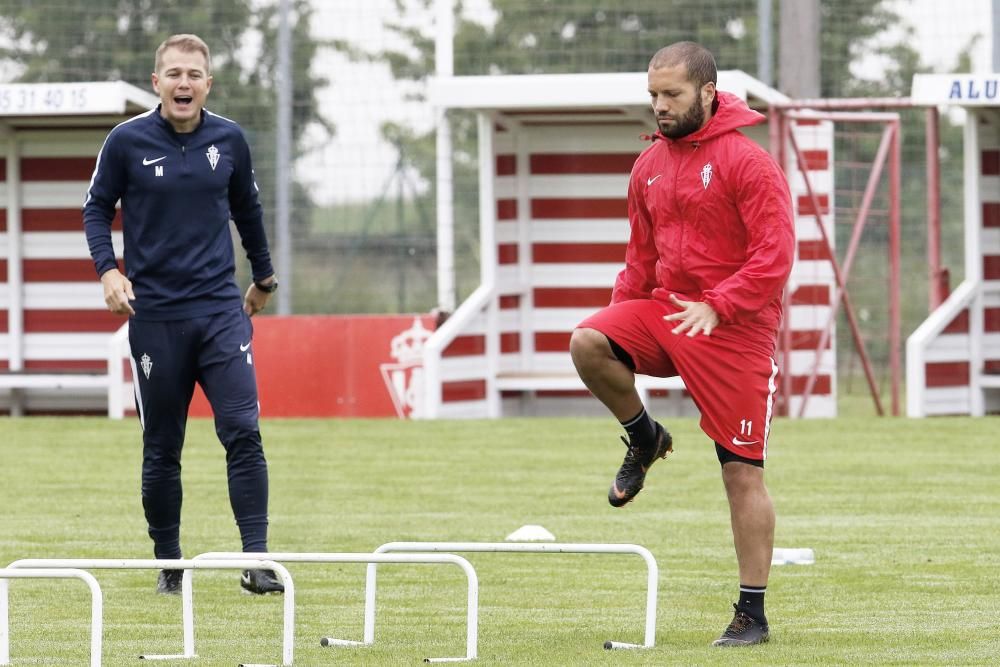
(746, 427)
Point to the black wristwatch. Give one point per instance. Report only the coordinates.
(269, 288)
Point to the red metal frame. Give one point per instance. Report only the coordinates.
(889, 149)
(895, 252)
(939, 287)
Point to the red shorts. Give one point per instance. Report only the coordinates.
(730, 374)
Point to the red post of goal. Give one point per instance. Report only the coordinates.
(784, 145)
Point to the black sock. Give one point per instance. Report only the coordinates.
(171, 549)
(752, 602)
(640, 428)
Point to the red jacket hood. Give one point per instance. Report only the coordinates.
(731, 113)
(711, 220)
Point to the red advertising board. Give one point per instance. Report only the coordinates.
(335, 366)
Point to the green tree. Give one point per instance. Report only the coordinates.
(554, 36)
(100, 40)
(847, 28)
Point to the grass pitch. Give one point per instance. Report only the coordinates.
(903, 515)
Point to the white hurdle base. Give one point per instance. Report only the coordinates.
(472, 613)
(447, 659)
(244, 562)
(96, 606)
(332, 641)
(652, 572)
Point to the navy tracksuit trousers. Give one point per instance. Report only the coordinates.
(168, 358)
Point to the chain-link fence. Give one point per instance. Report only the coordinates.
(363, 210)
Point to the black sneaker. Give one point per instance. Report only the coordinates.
(261, 582)
(743, 631)
(629, 480)
(169, 582)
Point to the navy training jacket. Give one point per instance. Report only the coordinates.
(178, 193)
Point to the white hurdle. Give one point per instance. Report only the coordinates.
(472, 613)
(242, 563)
(652, 573)
(96, 606)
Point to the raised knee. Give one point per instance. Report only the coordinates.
(587, 344)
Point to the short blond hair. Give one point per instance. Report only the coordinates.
(187, 44)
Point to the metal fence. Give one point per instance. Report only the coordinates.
(362, 201)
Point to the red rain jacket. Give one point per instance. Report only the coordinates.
(711, 220)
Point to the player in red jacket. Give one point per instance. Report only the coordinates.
(710, 250)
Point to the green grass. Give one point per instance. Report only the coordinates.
(904, 518)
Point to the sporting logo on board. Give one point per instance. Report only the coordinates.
(404, 378)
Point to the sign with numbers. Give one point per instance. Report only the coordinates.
(64, 99)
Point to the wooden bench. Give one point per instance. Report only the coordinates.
(112, 380)
(570, 381)
(53, 380)
(71, 380)
(989, 380)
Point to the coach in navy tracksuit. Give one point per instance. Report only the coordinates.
(181, 174)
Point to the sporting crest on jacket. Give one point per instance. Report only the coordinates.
(706, 175)
(213, 156)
